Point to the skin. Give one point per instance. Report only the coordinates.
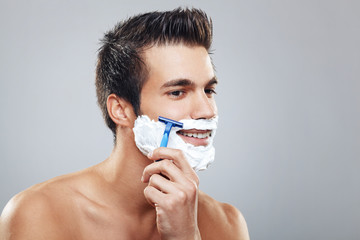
(129, 195)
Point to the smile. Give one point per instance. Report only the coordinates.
(201, 134)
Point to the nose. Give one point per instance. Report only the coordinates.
(203, 107)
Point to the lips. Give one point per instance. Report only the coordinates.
(195, 137)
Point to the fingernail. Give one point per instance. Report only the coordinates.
(142, 178)
(150, 154)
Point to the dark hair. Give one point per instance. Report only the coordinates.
(120, 67)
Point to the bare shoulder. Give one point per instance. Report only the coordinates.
(34, 213)
(28, 215)
(220, 220)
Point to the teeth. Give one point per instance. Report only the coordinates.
(197, 135)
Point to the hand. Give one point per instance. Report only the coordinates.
(173, 191)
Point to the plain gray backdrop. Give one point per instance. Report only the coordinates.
(288, 143)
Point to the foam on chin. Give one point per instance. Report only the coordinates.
(148, 135)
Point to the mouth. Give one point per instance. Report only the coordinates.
(195, 137)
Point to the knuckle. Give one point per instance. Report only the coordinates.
(151, 180)
(181, 196)
(166, 163)
(159, 151)
(146, 190)
(171, 204)
(155, 151)
(146, 169)
(179, 154)
(192, 189)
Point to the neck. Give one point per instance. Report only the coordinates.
(122, 171)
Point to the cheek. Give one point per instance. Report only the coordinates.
(150, 108)
(154, 109)
(172, 111)
(175, 113)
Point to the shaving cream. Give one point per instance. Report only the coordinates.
(148, 135)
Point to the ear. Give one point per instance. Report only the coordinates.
(120, 111)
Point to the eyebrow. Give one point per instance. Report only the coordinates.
(178, 82)
(186, 82)
(212, 81)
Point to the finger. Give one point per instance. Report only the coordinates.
(178, 158)
(173, 154)
(164, 167)
(153, 195)
(162, 184)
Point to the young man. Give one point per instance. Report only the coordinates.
(155, 64)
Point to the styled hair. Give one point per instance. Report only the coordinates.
(121, 69)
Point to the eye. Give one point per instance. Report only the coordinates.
(210, 91)
(176, 94)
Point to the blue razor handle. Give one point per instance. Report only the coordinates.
(169, 124)
(165, 138)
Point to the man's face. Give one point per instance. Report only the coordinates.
(180, 85)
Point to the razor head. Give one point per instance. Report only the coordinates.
(169, 123)
(173, 122)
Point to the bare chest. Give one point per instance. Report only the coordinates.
(94, 224)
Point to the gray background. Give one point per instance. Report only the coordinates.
(288, 144)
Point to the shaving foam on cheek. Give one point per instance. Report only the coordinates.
(148, 135)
